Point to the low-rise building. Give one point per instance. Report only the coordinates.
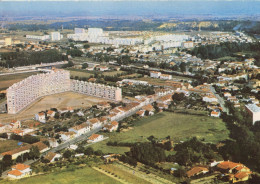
(19, 171)
(95, 138)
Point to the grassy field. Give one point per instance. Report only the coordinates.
(85, 175)
(8, 80)
(129, 177)
(177, 125)
(7, 145)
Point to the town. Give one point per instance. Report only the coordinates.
(130, 106)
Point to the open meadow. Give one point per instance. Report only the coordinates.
(85, 175)
(178, 126)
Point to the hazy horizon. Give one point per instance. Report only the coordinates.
(130, 8)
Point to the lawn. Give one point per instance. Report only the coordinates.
(85, 175)
(7, 145)
(177, 125)
(8, 80)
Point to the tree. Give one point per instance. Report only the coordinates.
(19, 159)
(67, 154)
(86, 46)
(7, 161)
(183, 67)
(89, 151)
(34, 152)
(85, 65)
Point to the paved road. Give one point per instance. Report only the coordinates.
(220, 100)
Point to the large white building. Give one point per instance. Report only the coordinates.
(21, 94)
(254, 111)
(38, 37)
(56, 36)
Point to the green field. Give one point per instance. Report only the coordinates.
(177, 125)
(79, 176)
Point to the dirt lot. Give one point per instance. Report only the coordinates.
(67, 99)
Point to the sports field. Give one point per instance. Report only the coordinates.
(178, 126)
(79, 176)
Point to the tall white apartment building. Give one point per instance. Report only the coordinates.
(21, 94)
(79, 31)
(254, 111)
(56, 36)
(98, 90)
(95, 32)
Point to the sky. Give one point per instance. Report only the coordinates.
(170, 8)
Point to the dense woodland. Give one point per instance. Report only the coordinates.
(16, 59)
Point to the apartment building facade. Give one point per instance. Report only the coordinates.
(23, 93)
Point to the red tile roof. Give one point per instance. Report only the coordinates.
(196, 170)
(15, 173)
(20, 167)
(93, 137)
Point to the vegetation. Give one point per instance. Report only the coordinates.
(15, 59)
(180, 126)
(223, 49)
(84, 175)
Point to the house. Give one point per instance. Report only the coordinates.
(53, 143)
(103, 105)
(80, 113)
(149, 108)
(65, 136)
(41, 146)
(50, 113)
(165, 77)
(215, 114)
(236, 171)
(210, 98)
(40, 117)
(155, 74)
(195, 171)
(80, 129)
(227, 94)
(51, 156)
(95, 138)
(141, 113)
(63, 110)
(165, 99)
(19, 171)
(95, 123)
(73, 147)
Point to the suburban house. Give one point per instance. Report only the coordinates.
(51, 157)
(210, 98)
(103, 105)
(236, 171)
(149, 108)
(215, 114)
(80, 129)
(53, 142)
(141, 113)
(155, 74)
(65, 136)
(195, 171)
(19, 171)
(50, 113)
(95, 138)
(40, 117)
(165, 77)
(95, 123)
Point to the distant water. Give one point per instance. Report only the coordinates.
(127, 8)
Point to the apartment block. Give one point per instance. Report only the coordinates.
(23, 93)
